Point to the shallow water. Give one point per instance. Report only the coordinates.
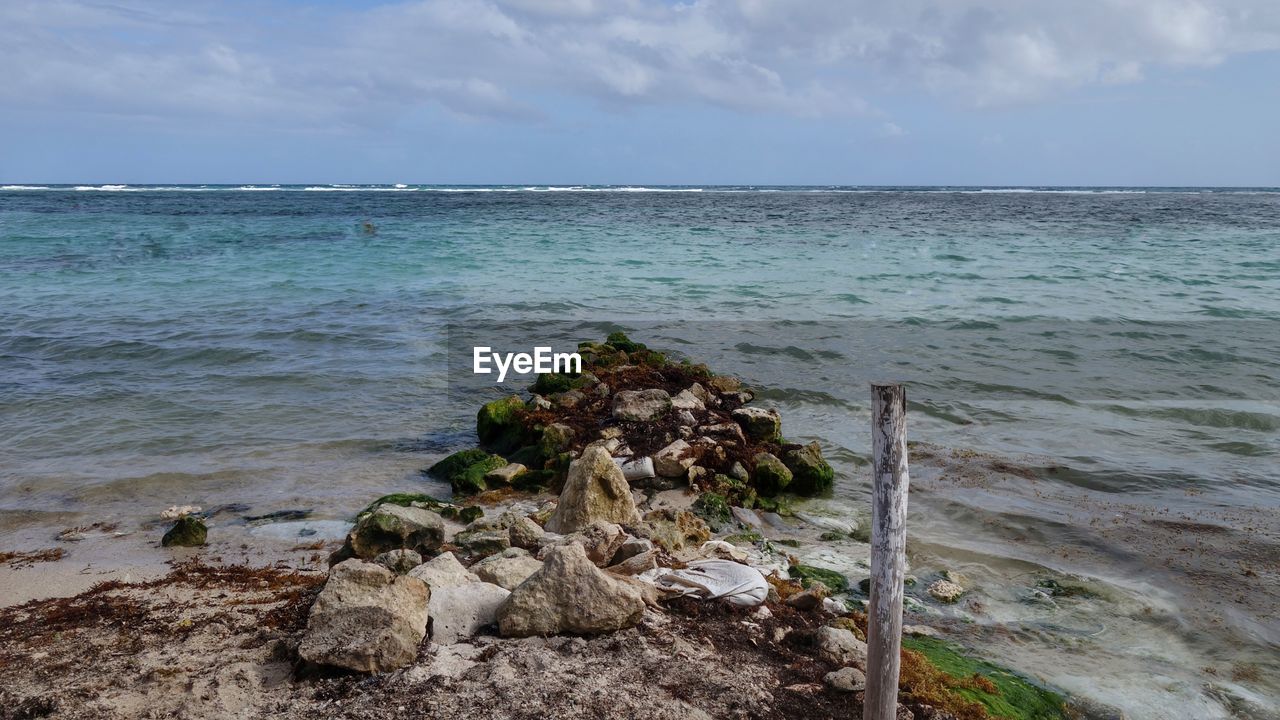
(1117, 349)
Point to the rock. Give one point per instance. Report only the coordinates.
(393, 527)
(443, 571)
(686, 419)
(738, 399)
(508, 568)
(724, 384)
(759, 424)
(483, 542)
(674, 459)
(771, 476)
(461, 611)
(504, 475)
(810, 474)
(595, 490)
(366, 619)
(176, 511)
(701, 394)
(919, 631)
(946, 591)
(713, 508)
(465, 470)
(635, 564)
(631, 547)
(686, 400)
(675, 531)
(570, 595)
(747, 518)
(641, 405)
(500, 424)
(738, 472)
(570, 399)
(697, 475)
(187, 531)
(600, 540)
(840, 647)
(724, 432)
(848, 679)
(400, 561)
(537, 402)
(525, 533)
(811, 598)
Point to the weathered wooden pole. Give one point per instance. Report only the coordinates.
(888, 549)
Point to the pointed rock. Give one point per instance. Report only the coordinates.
(570, 595)
(595, 490)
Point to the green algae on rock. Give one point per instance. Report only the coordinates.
(500, 424)
(465, 470)
(771, 476)
(187, 531)
(999, 692)
(808, 574)
(810, 473)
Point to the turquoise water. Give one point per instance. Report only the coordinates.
(286, 347)
(198, 332)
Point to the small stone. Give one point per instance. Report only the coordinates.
(738, 472)
(724, 384)
(443, 571)
(187, 531)
(840, 647)
(759, 423)
(946, 591)
(686, 419)
(640, 405)
(399, 561)
(508, 568)
(724, 432)
(686, 400)
(700, 393)
(483, 542)
(504, 475)
(600, 540)
(674, 530)
(771, 476)
(537, 402)
(635, 564)
(631, 547)
(848, 679)
(525, 533)
(811, 598)
(674, 459)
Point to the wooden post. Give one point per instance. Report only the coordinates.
(888, 550)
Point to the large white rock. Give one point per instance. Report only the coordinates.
(595, 491)
(461, 611)
(366, 619)
(570, 595)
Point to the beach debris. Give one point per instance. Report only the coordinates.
(595, 490)
(279, 516)
(946, 591)
(176, 511)
(392, 527)
(847, 679)
(733, 582)
(636, 469)
(399, 561)
(187, 531)
(571, 595)
(80, 532)
(840, 646)
(508, 568)
(366, 619)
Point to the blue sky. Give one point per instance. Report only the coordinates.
(1095, 92)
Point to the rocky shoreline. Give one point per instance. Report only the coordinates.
(612, 521)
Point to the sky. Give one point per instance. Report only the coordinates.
(815, 92)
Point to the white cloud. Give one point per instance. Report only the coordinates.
(497, 59)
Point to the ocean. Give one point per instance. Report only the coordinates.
(1082, 365)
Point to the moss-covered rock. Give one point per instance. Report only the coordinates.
(944, 676)
(500, 424)
(188, 531)
(531, 456)
(808, 574)
(713, 508)
(770, 476)
(810, 473)
(620, 341)
(556, 438)
(550, 383)
(465, 470)
(421, 500)
(470, 514)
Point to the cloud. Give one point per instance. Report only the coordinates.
(507, 60)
